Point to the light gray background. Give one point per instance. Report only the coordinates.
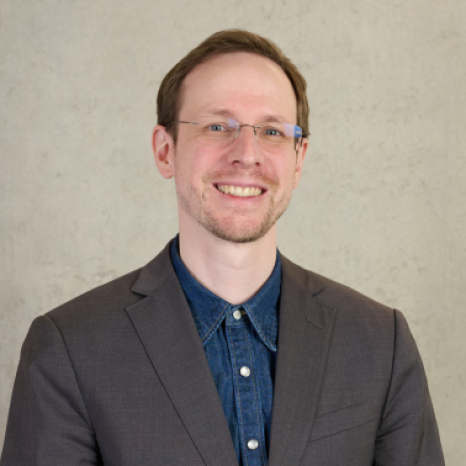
(381, 206)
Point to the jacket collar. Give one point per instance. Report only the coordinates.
(160, 268)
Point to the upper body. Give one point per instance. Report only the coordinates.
(120, 375)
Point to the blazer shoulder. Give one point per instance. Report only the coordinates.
(345, 298)
(109, 297)
(115, 296)
(335, 295)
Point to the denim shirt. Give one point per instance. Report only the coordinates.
(240, 345)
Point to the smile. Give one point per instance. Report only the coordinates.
(239, 191)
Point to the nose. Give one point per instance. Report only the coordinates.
(245, 148)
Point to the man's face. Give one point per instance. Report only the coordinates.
(249, 89)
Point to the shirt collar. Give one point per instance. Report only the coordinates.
(209, 310)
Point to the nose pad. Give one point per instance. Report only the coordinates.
(242, 126)
(246, 151)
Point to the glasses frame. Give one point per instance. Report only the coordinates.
(297, 132)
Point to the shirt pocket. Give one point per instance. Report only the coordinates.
(343, 419)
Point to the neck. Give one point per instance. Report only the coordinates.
(233, 271)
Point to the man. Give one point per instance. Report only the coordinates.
(221, 351)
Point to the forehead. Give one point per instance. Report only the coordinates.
(240, 83)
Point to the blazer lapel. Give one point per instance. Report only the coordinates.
(166, 328)
(305, 330)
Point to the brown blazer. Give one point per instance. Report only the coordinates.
(118, 376)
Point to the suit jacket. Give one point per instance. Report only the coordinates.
(118, 376)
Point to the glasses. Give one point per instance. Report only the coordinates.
(271, 136)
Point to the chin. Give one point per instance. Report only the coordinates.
(239, 232)
(238, 238)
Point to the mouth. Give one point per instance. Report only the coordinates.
(240, 191)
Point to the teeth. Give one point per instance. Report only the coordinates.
(249, 191)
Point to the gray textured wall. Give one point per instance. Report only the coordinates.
(381, 206)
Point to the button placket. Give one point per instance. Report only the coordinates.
(247, 394)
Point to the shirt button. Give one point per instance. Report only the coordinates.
(245, 372)
(253, 444)
(237, 314)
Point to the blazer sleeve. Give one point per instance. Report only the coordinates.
(408, 433)
(48, 424)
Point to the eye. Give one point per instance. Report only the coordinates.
(272, 132)
(216, 127)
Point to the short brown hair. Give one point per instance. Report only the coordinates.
(223, 42)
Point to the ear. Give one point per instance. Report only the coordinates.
(300, 154)
(164, 151)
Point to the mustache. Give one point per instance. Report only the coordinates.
(253, 174)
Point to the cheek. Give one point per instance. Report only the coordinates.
(191, 169)
(286, 171)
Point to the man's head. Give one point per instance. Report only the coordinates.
(170, 96)
(234, 160)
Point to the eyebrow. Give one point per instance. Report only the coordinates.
(227, 113)
(217, 112)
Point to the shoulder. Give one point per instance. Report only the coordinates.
(108, 302)
(363, 329)
(109, 297)
(348, 304)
